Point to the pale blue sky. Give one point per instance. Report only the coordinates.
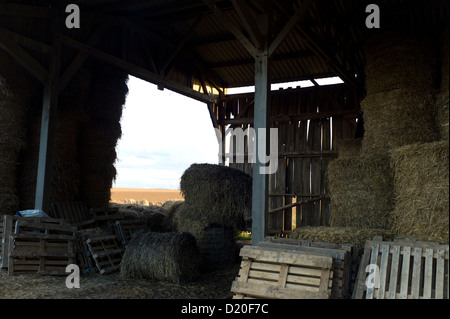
(163, 134)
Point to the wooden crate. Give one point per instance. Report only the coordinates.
(106, 252)
(281, 274)
(342, 261)
(126, 228)
(40, 253)
(407, 270)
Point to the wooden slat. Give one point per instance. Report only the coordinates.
(440, 274)
(415, 283)
(427, 284)
(405, 273)
(394, 272)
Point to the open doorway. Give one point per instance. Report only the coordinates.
(163, 133)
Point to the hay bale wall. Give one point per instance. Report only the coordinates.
(422, 191)
(361, 192)
(171, 257)
(16, 90)
(442, 100)
(107, 96)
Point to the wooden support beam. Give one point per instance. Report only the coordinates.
(25, 59)
(81, 57)
(180, 45)
(249, 22)
(25, 41)
(299, 13)
(248, 45)
(138, 71)
(46, 141)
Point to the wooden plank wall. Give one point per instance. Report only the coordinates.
(309, 121)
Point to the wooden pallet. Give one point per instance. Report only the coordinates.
(105, 218)
(126, 228)
(40, 253)
(84, 257)
(106, 252)
(282, 274)
(77, 213)
(341, 254)
(43, 226)
(407, 270)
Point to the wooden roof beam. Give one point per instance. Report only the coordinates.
(138, 71)
(248, 45)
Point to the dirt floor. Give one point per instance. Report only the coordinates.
(212, 285)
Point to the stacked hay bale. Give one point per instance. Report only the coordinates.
(172, 257)
(397, 111)
(361, 192)
(348, 147)
(442, 95)
(70, 120)
(216, 200)
(99, 139)
(400, 77)
(422, 191)
(16, 92)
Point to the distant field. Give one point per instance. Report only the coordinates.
(152, 195)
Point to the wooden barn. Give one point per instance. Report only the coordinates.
(364, 156)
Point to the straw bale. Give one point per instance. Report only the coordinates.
(361, 190)
(348, 147)
(399, 61)
(397, 117)
(339, 235)
(171, 257)
(442, 102)
(217, 194)
(422, 191)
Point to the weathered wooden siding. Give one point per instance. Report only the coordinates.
(308, 121)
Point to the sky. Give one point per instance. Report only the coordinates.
(163, 133)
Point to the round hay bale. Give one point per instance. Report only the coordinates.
(339, 235)
(171, 257)
(396, 118)
(217, 194)
(422, 191)
(361, 190)
(442, 104)
(348, 147)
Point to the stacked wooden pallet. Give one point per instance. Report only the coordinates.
(283, 274)
(344, 256)
(403, 270)
(37, 245)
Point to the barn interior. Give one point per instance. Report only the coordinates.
(369, 153)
